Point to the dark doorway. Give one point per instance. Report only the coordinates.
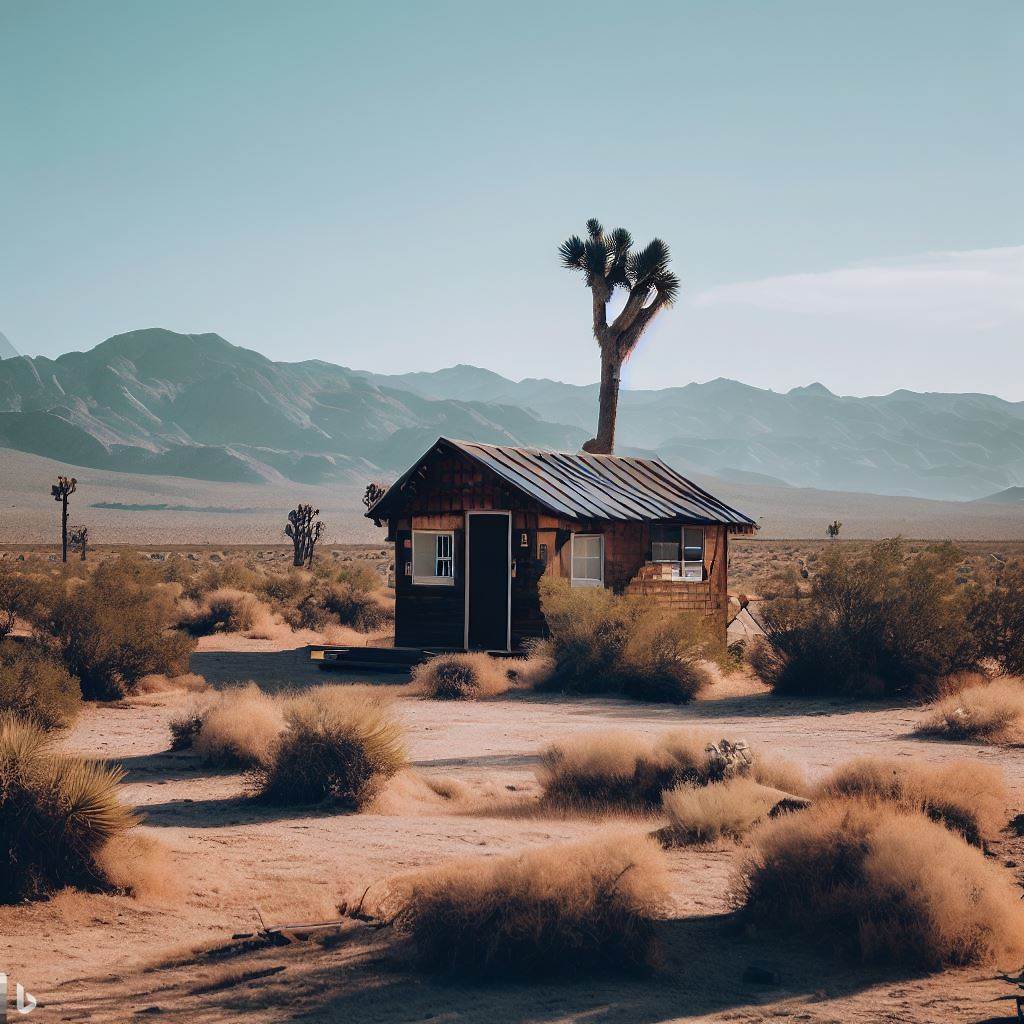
(487, 584)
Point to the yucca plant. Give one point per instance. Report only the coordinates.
(608, 261)
(338, 748)
(57, 812)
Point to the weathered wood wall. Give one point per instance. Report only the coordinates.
(451, 485)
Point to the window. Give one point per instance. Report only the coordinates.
(587, 560)
(665, 544)
(693, 552)
(433, 557)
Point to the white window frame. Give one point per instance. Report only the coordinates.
(692, 566)
(435, 580)
(580, 581)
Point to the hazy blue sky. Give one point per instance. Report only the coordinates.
(385, 185)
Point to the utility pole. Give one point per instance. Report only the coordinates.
(61, 491)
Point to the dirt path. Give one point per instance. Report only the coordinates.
(96, 958)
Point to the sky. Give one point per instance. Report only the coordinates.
(385, 186)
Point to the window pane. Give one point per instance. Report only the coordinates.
(693, 544)
(586, 557)
(432, 555)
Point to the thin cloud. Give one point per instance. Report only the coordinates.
(978, 289)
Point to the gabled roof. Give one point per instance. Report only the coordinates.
(583, 486)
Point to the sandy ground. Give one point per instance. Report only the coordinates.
(233, 863)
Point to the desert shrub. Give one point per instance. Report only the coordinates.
(35, 685)
(966, 796)
(873, 625)
(285, 588)
(997, 618)
(354, 607)
(625, 769)
(57, 812)
(224, 610)
(722, 810)
(338, 747)
(590, 906)
(600, 642)
(359, 576)
(987, 712)
(462, 676)
(238, 729)
(114, 627)
(191, 682)
(883, 884)
(778, 773)
(24, 595)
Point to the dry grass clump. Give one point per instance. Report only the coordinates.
(987, 712)
(624, 769)
(35, 685)
(882, 883)
(238, 729)
(722, 810)
(965, 796)
(590, 906)
(339, 747)
(191, 682)
(462, 676)
(873, 624)
(57, 813)
(600, 642)
(224, 610)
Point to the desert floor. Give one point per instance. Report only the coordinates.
(104, 958)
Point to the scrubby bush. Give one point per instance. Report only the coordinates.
(875, 624)
(628, 770)
(997, 618)
(986, 712)
(463, 676)
(35, 685)
(224, 610)
(114, 627)
(238, 729)
(722, 810)
(330, 603)
(600, 642)
(966, 796)
(565, 909)
(883, 884)
(338, 747)
(57, 813)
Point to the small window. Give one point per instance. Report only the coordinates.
(666, 544)
(587, 560)
(433, 557)
(693, 553)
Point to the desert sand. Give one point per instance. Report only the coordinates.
(235, 864)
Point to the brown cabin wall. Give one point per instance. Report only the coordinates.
(435, 615)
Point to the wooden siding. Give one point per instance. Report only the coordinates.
(431, 615)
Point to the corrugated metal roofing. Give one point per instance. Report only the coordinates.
(584, 486)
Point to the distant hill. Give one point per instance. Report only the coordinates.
(196, 406)
(7, 350)
(1011, 496)
(157, 402)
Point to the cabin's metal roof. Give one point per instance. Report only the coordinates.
(579, 485)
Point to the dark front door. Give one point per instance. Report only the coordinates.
(487, 582)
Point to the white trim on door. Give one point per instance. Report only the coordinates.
(508, 612)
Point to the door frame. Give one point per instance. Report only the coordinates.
(508, 607)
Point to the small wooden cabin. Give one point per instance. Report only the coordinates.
(475, 527)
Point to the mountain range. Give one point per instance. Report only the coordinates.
(194, 405)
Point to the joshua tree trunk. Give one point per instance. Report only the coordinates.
(61, 491)
(64, 530)
(611, 368)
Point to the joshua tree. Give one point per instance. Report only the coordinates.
(374, 491)
(80, 539)
(607, 262)
(61, 491)
(304, 529)
(833, 528)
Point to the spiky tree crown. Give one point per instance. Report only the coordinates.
(609, 261)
